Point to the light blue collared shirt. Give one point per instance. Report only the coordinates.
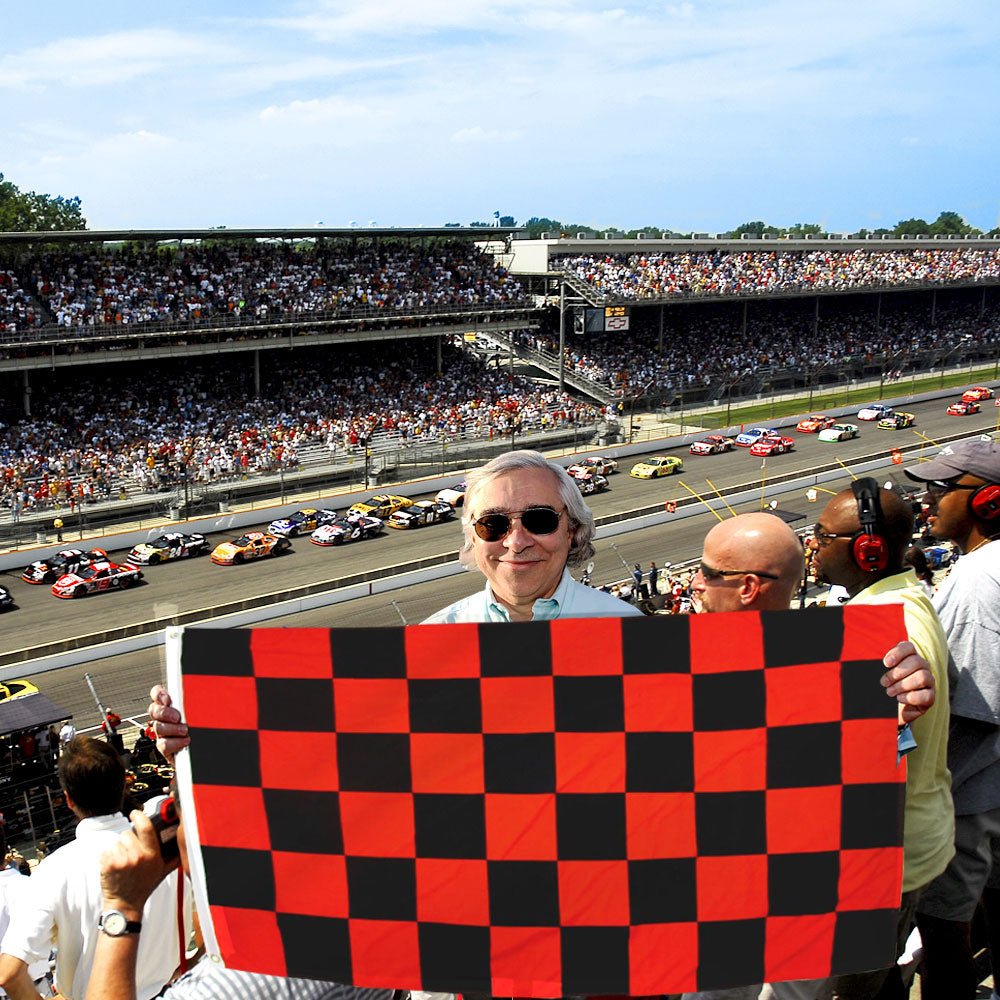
(571, 600)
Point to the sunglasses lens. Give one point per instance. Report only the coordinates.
(536, 520)
(492, 527)
(540, 520)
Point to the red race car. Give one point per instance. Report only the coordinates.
(95, 578)
(977, 394)
(962, 408)
(772, 446)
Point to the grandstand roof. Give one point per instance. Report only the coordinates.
(305, 232)
(533, 256)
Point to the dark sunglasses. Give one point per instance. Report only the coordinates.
(938, 487)
(711, 573)
(536, 520)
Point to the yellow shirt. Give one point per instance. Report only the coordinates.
(929, 820)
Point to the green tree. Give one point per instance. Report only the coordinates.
(952, 224)
(26, 211)
(911, 227)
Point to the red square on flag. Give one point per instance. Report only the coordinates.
(803, 819)
(377, 824)
(304, 761)
(424, 644)
(658, 703)
(590, 762)
(526, 961)
(518, 704)
(450, 890)
(310, 884)
(385, 953)
(447, 762)
(521, 827)
(660, 825)
(285, 652)
(732, 888)
(586, 646)
(593, 893)
(371, 705)
(733, 760)
(803, 693)
(724, 642)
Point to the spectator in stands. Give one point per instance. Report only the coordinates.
(63, 905)
(13, 886)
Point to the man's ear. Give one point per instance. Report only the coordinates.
(749, 589)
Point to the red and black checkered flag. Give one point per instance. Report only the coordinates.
(591, 806)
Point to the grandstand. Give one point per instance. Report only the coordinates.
(161, 363)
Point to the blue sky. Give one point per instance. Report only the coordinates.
(693, 115)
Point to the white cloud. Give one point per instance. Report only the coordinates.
(313, 112)
(103, 60)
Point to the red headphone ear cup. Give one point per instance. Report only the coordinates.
(985, 502)
(870, 552)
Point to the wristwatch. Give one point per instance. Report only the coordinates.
(114, 923)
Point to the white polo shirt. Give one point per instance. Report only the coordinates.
(63, 902)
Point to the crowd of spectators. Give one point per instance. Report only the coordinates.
(136, 428)
(706, 345)
(719, 272)
(247, 281)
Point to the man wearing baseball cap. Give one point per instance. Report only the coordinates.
(963, 502)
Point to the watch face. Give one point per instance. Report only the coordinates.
(113, 923)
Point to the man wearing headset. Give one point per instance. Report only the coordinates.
(963, 507)
(859, 543)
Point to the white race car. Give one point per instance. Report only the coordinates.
(875, 411)
(454, 496)
(600, 465)
(421, 513)
(838, 432)
(347, 529)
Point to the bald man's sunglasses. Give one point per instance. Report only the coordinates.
(711, 573)
(536, 520)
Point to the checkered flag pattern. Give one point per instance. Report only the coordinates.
(593, 806)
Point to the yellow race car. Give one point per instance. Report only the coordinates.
(252, 545)
(16, 689)
(381, 505)
(659, 465)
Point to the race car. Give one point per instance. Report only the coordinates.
(347, 529)
(421, 513)
(252, 545)
(714, 444)
(302, 521)
(380, 506)
(875, 411)
(772, 446)
(172, 545)
(6, 600)
(897, 420)
(814, 424)
(962, 408)
(592, 483)
(977, 394)
(63, 562)
(452, 495)
(659, 465)
(96, 577)
(746, 438)
(600, 465)
(16, 689)
(838, 432)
